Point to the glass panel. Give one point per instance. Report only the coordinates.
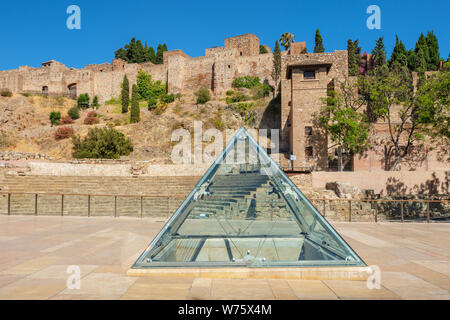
(246, 212)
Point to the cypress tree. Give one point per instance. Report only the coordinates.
(399, 54)
(262, 49)
(354, 57)
(434, 57)
(121, 53)
(139, 55)
(412, 60)
(379, 54)
(150, 54)
(421, 44)
(131, 50)
(319, 43)
(276, 73)
(135, 111)
(125, 94)
(159, 54)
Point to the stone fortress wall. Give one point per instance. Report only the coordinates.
(215, 71)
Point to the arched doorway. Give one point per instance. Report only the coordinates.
(45, 91)
(72, 90)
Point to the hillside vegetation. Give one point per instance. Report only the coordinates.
(25, 124)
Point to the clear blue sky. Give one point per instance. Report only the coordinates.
(35, 31)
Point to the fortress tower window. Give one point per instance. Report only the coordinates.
(309, 152)
(308, 131)
(45, 91)
(240, 53)
(307, 75)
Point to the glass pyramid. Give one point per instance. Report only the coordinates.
(246, 212)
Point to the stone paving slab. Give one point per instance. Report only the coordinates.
(35, 253)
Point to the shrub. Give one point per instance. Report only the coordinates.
(245, 109)
(168, 98)
(261, 90)
(160, 107)
(55, 117)
(83, 101)
(95, 102)
(102, 143)
(74, 113)
(6, 93)
(246, 82)
(66, 120)
(147, 88)
(91, 118)
(218, 122)
(64, 133)
(26, 94)
(203, 95)
(237, 98)
(229, 92)
(152, 103)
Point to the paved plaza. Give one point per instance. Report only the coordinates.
(35, 253)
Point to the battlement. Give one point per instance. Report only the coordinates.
(216, 71)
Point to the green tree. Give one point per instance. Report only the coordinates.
(276, 72)
(343, 119)
(121, 53)
(434, 57)
(354, 57)
(318, 43)
(95, 102)
(139, 54)
(101, 143)
(393, 99)
(135, 52)
(83, 101)
(399, 55)
(434, 102)
(262, 49)
(202, 95)
(286, 40)
(150, 54)
(55, 118)
(131, 50)
(379, 54)
(74, 113)
(125, 94)
(160, 53)
(135, 114)
(147, 88)
(421, 64)
(412, 60)
(422, 44)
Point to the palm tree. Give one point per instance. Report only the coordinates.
(286, 39)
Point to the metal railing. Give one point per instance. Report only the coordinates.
(116, 205)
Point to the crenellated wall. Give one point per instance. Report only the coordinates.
(215, 71)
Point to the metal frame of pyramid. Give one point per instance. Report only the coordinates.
(245, 212)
